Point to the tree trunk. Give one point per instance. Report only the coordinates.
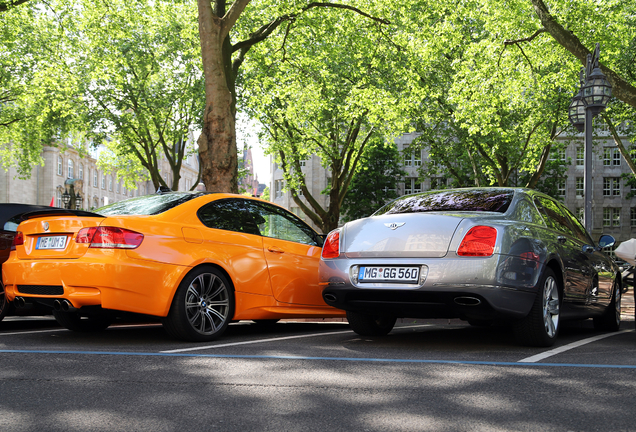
(217, 142)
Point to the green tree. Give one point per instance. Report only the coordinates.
(375, 182)
(219, 26)
(331, 102)
(141, 83)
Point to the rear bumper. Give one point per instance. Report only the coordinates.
(483, 302)
(120, 284)
(469, 288)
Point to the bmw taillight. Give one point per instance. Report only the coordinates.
(331, 248)
(109, 237)
(18, 240)
(478, 241)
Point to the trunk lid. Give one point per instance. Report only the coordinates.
(54, 237)
(419, 235)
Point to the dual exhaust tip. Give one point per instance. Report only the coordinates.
(63, 305)
(59, 304)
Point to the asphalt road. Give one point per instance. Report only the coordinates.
(311, 376)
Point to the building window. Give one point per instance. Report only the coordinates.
(71, 170)
(95, 178)
(59, 165)
(632, 216)
(557, 154)
(413, 159)
(302, 164)
(561, 187)
(110, 183)
(438, 183)
(611, 186)
(580, 156)
(580, 187)
(611, 216)
(103, 181)
(81, 171)
(278, 188)
(58, 199)
(96, 202)
(117, 186)
(411, 186)
(611, 156)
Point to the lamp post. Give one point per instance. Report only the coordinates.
(66, 198)
(78, 201)
(594, 93)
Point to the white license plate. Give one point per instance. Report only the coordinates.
(51, 242)
(388, 274)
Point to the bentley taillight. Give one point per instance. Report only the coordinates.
(331, 248)
(478, 241)
(109, 237)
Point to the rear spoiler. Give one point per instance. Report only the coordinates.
(57, 212)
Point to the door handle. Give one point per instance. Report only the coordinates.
(561, 239)
(274, 249)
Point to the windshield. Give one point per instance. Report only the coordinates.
(481, 200)
(148, 205)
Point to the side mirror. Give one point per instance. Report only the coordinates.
(606, 241)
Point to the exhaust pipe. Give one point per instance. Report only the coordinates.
(19, 302)
(67, 306)
(467, 301)
(330, 297)
(57, 305)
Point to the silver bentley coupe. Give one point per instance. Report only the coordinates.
(479, 254)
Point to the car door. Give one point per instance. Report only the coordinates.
(600, 292)
(235, 241)
(576, 262)
(292, 250)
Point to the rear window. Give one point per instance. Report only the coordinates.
(480, 200)
(147, 205)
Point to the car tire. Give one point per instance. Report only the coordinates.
(95, 322)
(4, 304)
(202, 307)
(541, 326)
(368, 325)
(611, 318)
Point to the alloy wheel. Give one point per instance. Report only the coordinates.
(207, 303)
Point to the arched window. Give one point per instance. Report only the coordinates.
(70, 168)
(59, 165)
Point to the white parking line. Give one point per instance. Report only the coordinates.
(197, 348)
(29, 332)
(559, 350)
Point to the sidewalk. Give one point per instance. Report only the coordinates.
(627, 305)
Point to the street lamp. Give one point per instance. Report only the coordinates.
(66, 198)
(594, 93)
(78, 201)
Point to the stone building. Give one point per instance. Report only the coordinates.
(613, 212)
(95, 187)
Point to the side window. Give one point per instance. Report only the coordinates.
(553, 216)
(525, 211)
(228, 214)
(281, 224)
(577, 227)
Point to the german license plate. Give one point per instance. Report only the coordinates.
(51, 242)
(388, 274)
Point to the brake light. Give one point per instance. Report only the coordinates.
(479, 241)
(18, 240)
(109, 238)
(331, 248)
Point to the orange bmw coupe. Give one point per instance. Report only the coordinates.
(197, 260)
